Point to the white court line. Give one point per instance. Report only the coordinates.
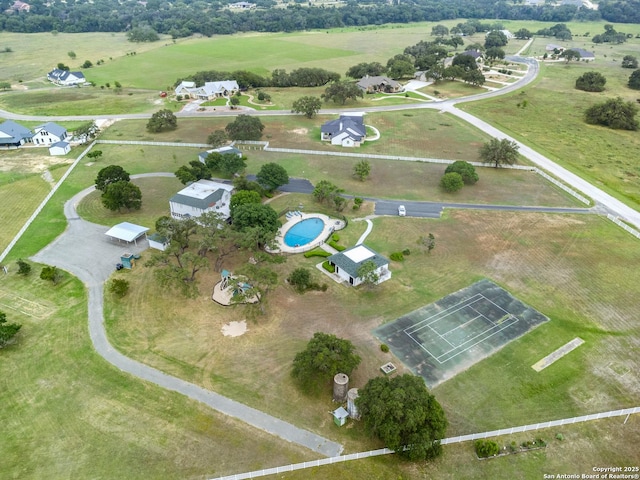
(442, 337)
(444, 313)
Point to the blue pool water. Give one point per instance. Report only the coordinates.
(303, 232)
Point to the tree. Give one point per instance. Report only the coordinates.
(242, 197)
(474, 77)
(260, 278)
(494, 53)
(7, 330)
(119, 287)
(94, 154)
(430, 242)
(142, 34)
(629, 61)
(122, 195)
(570, 54)
(234, 102)
(258, 222)
(404, 415)
(523, 34)
(109, 175)
(451, 182)
(499, 152)
(162, 120)
(401, 69)
(363, 69)
(5, 85)
(86, 64)
(23, 267)
(245, 127)
(325, 356)
(300, 278)
(340, 92)
(440, 31)
(591, 82)
(362, 169)
(86, 131)
(453, 71)
(307, 105)
(634, 80)
(51, 273)
(614, 113)
(72, 54)
(326, 191)
(271, 176)
(62, 66)
(467, 62)
(367, 272)
(217, 138)
(495, 39)
(466, 171)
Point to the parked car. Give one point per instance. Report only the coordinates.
(402, 211)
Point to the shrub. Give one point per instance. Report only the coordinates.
(328, 267)
(335, 237)
(487, 448)
(119, 287)
(466, 171)
(316, 253)
(23, 267)
(591, 82)
(335, 245)
(397, 257)
(451, 182)
(300, 278)
(559, 436)
(406, 252)
(52, 274)
(384, 347)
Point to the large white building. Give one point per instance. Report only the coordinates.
(49, 133)
(201, 197)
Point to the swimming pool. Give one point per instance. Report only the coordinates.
(304, 232)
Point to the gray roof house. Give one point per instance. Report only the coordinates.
(348, 262)
(585, 55)
(221, 150)
(49, 133)
(379, 84)
(348, 130)
(13, 134)
(201, 197)
(65, 78)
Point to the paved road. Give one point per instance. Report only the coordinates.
(85, 251)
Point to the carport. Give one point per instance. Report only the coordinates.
(128, 232)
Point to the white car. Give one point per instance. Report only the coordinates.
(402, 211)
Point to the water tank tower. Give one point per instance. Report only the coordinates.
(351, 404)
(340, 387)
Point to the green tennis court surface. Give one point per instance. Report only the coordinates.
(446, 337)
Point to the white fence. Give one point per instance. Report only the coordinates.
(620, 223)
(445, 441)
(156, 144)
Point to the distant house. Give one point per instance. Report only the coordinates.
(209, 91)
(49, 133)
(376, 84)
(18, 7)
(201, 197)
(13, 134)
(348, 130)
(221, 150)
(65, 78)
(349, 261)
(585, 55)
(60, 148)
(552, 47)
(242, 5)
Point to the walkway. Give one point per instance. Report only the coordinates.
(84, 251)
(445, 441)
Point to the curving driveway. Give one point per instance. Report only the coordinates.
(85, 251)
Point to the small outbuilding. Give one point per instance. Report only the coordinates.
(127, 232)
(157, 241)
(348, 262)
(60, 148)
(340, 416)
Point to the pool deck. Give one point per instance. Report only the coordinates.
(330, 225)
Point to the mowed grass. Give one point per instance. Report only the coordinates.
(572, 268)
(600, 155)
(67, 413)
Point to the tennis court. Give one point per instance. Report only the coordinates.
(446, 337)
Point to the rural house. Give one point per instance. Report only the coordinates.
(65, 78)
(585, 55)
(201, 197)
(13, 134)
(348, 130)
(221, 150)
(49, 133)
(377, 84)
(348, 262)
(209, 91)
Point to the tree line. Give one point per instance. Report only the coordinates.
(185, 19)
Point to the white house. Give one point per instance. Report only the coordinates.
(222, 151)
(13, 134)
(66, 78)
(209, 91)
(59, 148)
(347, 131)
(348, 262)
(49, 133)
(201, 197)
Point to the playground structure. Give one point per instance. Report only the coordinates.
(229, 287)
